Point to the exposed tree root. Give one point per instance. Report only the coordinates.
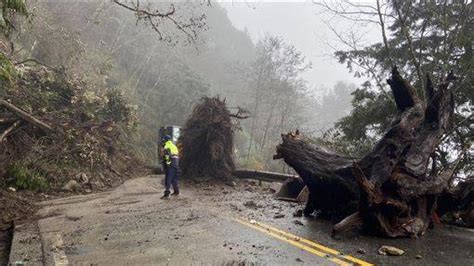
(208, 140)
(389, 191)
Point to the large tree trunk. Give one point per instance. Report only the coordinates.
(333, 190)
(389, 191)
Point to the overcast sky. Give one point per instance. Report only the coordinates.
(303, 24)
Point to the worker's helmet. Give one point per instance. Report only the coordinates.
(167, 137)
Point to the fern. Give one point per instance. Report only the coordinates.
(24, 178)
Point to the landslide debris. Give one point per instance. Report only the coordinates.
(57, 130)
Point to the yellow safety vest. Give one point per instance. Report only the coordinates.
(170, 150)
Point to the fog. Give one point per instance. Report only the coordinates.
(305, 25)
(276, 60)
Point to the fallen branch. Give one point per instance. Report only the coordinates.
(10, 129)
(25, 116)
(262, 175)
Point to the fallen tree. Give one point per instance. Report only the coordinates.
(208, 140)
(389, 191)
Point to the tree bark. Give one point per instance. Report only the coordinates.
(389, 190)
(332, 189)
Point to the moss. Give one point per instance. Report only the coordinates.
(22, 177)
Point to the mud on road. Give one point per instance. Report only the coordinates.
(131, 225)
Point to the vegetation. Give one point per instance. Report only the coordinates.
(24, 178)
(6, 69)
(91, 121)
(89, 129)
(277, 95)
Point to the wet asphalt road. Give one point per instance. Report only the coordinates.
(131, 225)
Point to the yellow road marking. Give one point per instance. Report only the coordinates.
(296, 241)
(305, 244)
(319, 246)
(293, 242)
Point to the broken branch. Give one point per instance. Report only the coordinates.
(25, 116)
(262, 175)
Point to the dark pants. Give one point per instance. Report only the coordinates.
(171, 179)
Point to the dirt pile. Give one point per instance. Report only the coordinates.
(208, 140)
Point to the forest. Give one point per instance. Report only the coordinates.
(159, 81)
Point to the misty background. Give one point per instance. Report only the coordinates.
(284, 62)
(105, 43)
(305, 25)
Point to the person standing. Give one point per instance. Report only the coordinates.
(170, 165)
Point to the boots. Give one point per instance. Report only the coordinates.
(166, 195)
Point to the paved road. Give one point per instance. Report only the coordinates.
(208, 225)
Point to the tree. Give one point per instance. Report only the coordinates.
(421, 37)
(391, 190)
(329, 107)
(276, 91)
